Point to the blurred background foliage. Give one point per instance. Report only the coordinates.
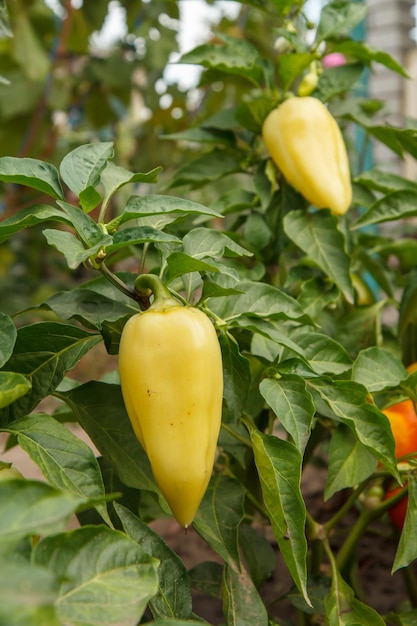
(63, 84)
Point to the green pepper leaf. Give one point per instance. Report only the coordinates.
(31, 173)
(219, 516)
(137, 235)
(73, 250)
(114, 177)
(12, 387)
(81, 168)
(292, 404)
(8, 334)
(31, 216)
(91, 307)
(258, 552)
(44, 352)
(350, 461)
(174, 596)
(100, 409)
(242, 603)
(236, 371)
(233, 56)
(364, 52)
(107, 569)
(150, 205)
(350, 403)
(394, 206)
(279, 468)
(66, 462)
(339, 18)
(292, 65)
(343, 609)
(386, 182)
(205, 169)
(406, 551)
(29, 507)
(208, 243)
(180, 263)
(318, 235)
(378, 369)
(258, 300)
(336, 81)
(41, 591)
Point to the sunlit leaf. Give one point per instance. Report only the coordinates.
(103, 576)
(29, 507)
(34, 607)
(66, 462)
(8, 336)
(12, 387)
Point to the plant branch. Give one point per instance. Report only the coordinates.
(348, 548)
(118, 283)
(236, 436)
(331, 523)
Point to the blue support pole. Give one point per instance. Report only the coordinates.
(361, 90)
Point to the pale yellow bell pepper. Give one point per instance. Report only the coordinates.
(307, 146)
(171, 377)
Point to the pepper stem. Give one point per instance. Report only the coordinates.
(147, 285)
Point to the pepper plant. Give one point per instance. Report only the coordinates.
(315, 316)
